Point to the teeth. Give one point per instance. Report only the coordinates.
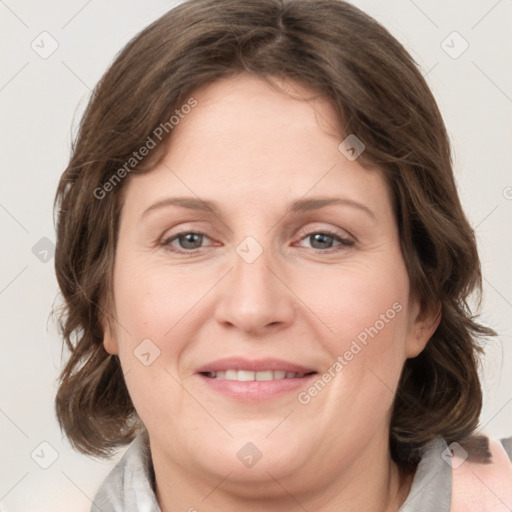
(268, 375)
(245, 376)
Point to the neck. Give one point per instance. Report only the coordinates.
(372, 481)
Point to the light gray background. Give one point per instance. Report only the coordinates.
(41, 99)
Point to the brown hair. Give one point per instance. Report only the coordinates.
(377, 93)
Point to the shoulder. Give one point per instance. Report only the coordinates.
(507, 446)
(484, 485)
(129, 487)
(431, 487)
(470, 478)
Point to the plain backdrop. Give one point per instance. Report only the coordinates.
(42, 97)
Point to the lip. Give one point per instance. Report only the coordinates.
(254, 365)
(254, 391)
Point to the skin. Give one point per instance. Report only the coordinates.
(255, 150)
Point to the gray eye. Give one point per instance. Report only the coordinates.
(190, 240)
(321, 241)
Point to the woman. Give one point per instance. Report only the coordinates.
(265, 265)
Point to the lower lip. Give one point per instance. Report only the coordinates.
(256, 390)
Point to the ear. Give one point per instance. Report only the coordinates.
(422, 326)
(109, 338)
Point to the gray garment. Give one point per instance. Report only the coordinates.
(129, 486)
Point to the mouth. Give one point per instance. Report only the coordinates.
(248, 376)
(254, 379)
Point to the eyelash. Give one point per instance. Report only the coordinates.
(343, 242)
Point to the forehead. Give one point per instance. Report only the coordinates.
(248, 143)
(245, 108)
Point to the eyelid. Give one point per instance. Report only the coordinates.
(185, 228)
(166, 239)
(321, 228)
(343, 242)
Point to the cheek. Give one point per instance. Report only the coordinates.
(366, 353)
(155, 313)
(368, 311)
(152, 300)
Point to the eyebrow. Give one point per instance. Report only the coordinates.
(298, 206)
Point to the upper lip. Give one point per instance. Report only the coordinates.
(255, 365)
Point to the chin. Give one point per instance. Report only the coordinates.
(257, 463)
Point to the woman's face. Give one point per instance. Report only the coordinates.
(267, 346)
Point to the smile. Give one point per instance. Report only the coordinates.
(246, 375)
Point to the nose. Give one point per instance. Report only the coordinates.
(254, 298)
